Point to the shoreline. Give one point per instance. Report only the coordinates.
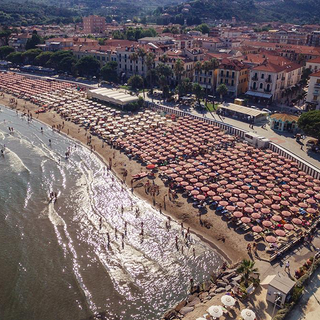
(179, 210)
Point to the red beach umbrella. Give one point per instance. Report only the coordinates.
(286, 213)
(267, 223)
(271, 239)
(280, 233)
(288, 226)
(296, 221)
(256, 215)
(223, 203)
(257, 229)
(237, 214)
(245, 219)
(276, 218)
(194, 192)
(248, 209)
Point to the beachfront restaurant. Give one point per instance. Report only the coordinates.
(112, 96)
(242, 113)
(284, 122)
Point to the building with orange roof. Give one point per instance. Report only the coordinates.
(313, 95)
(269, 81)
(235, 75)
(313, 64)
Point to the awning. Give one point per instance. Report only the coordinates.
(264, 283)
(259, 94)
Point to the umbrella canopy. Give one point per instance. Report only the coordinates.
(271, 239)
(237, 214)
(228, 300)
(280, 233)
(267, 223)
(215, 311)
(257, 229)
(288, 226)
(248, 314)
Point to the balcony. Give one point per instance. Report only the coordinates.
(317, 85)
(254, 78)
(268, 80)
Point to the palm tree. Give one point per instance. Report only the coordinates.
(164, 72)
(198, 67)
(134, 57)
(197, 91)
(164, 58)
(142, 54)
(246, 268)
(206, 68)
(222, 90)
(178, 69)
(149, 63)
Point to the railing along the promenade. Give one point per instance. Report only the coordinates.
(302, 164)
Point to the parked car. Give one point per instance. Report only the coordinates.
(266, 110)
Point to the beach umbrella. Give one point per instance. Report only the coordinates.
(248, 314)
(223, 203)
(240, 204)
(271, 239)
(311, 210)
(200, 197)
(267, 223)
(228, 300)
(275, 206)
(286, 213)
(310, 200)
(245, 219)
(257, 229)
(201, 319)
(216, 198)
(267, 201)
(248, 209)
(280, 233)
(237, 214)
(288, 226)
(215, 311)
(258, 205)
(296, 221)
(231, 208)
(302, 205)
(256, 215)
(276, 218)
(194, 192)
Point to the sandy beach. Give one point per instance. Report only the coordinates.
(212, 229)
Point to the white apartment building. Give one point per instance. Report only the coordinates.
(313, 96)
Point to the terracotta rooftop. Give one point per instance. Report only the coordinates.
(285, 117)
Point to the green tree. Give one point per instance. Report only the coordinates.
(150, 63)
(142, 55)
(178, 70)
(57, 57)
(309, 122)
(109, 71)
(134, 58)
(33, 42)
(246, 269)
(67, 64)
(203, 28)
(43, 58)
(197, 91)
(5, 51)
(30, 55)
(184, 87)
(164, 72)
(88, 66)
(15, 57)
(4, 36)
(135, 82)
(222, 90)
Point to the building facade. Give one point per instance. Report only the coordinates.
(94, 24)
(313, 95)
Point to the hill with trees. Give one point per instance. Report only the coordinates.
(294, 11)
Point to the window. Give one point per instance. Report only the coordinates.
(227, 73)
(232, 82)
(318, 81)
(103, 58)
(232, 74)
(262, 76)
(315, 98)
(261, 85)
(221, 73)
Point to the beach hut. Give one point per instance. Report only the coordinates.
(284, 122)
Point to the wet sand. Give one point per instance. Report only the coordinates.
(213, 229)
